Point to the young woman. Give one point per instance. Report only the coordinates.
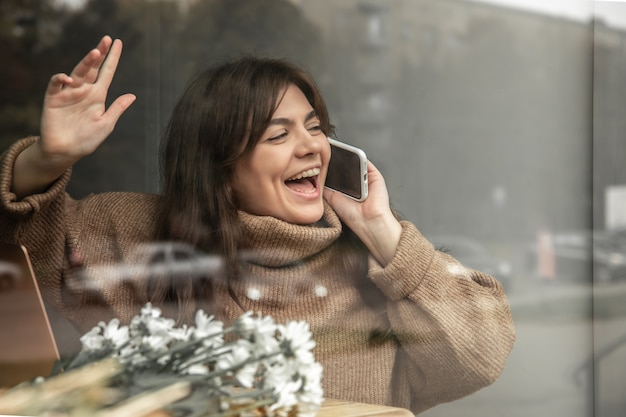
(244, 164)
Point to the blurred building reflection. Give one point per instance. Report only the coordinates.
(498, 125)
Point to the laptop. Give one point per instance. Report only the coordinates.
(27, 345)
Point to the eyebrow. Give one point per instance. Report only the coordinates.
(285, 121)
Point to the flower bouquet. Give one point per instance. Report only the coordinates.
(151, 367)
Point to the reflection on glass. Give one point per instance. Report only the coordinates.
(492, 124)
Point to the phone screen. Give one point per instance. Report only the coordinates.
(346, 173)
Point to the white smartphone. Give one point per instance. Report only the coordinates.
(347, 171)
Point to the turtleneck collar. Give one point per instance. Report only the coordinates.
(274, 243)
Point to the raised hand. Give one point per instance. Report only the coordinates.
(75, 120)
(372, 220)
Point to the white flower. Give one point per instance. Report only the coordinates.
(264, 357)
(92, 340)
(116, 334)
(137, 360)
(264, 336)
(209, 329)
(106, 336)
(150, 322)
(183, 333)
(278, 375)
(159, 325)
(244, 325)
(150, 311)
(246, 374)
(297, 378)
(196, 369)
(296, 342)
(295, 383)
(260, 331)
(158, 341)
(285, 393)
(311, 393)
(239, 360)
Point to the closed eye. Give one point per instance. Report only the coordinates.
(316, 128)
(277, 137)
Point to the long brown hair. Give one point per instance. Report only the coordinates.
(216, 123)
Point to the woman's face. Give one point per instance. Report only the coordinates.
(284, 175)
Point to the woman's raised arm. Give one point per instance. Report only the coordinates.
(75, 120)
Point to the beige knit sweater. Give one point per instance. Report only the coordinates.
(449, 329)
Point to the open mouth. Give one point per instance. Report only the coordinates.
(305, 182)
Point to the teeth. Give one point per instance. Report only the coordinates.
(308, 173)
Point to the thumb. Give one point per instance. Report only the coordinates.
(118, 107)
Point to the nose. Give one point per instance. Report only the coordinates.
(309, 144)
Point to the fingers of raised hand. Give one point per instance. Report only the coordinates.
(109, 66)
(88, 69)
(57, 82)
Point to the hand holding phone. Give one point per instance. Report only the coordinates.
(347, 170)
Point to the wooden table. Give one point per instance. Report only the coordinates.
(340, 408)
(330, 408)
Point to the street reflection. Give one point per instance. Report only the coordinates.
(490, 124)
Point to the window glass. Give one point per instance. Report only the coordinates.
(498, 129)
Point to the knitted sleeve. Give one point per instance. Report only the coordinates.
(453, 324)
(13, 210)
(62, 235)
(36, 221)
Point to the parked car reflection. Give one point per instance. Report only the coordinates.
(609, 257)
(473, 254)
(581, 256)
(157, 259)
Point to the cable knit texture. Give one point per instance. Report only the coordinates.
(425, 331)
